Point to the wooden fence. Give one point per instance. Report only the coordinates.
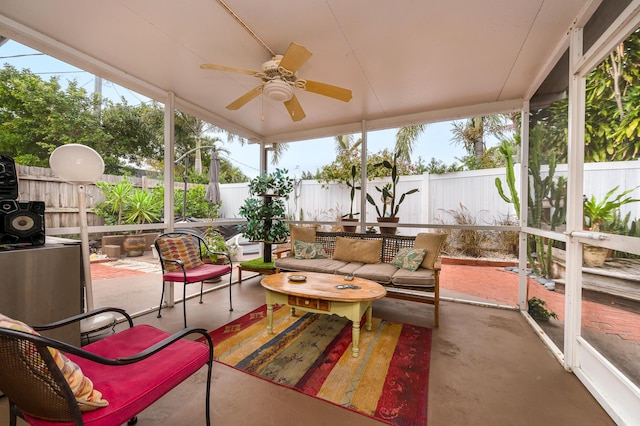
(61, 197)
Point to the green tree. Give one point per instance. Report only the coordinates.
(612, 111)
(134, 135)
(613, 105)
(436, 167)
(231, 174)
(37, 116)
(340, 169)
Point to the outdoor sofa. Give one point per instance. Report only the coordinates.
(397, 262)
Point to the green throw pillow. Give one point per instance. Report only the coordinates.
(409, 258)
(304, 250)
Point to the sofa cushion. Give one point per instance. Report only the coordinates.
(409, 258)
(302, 233)
(327, 266)
(424, 278)
(379, 272)
(356, 250)
(304, 250)
(433, 243)
(349, 268)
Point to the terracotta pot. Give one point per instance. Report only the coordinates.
(134, 245)
(388, 229)
(594, 256)
(349, 228)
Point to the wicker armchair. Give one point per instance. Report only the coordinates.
(131, 369)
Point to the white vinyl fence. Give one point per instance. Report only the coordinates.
(438, 195)
(475, 191)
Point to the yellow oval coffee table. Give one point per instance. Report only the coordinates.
(324, 294)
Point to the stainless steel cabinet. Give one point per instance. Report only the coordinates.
(39, 285)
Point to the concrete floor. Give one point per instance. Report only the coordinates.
(488, 367)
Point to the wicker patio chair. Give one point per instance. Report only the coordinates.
(130, 370)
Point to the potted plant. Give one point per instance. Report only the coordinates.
(125, 204)
(537, 309)
(596, 213)
(116, 199)
(388, 193)
(216, 244)
(353, 185)
(142, 207)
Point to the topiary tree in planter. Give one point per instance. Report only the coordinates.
(265, 210)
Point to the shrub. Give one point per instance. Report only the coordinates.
(467, 241)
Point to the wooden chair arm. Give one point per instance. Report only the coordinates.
(437, 265)
(280, 251)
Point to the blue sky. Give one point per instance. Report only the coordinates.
(299, 157)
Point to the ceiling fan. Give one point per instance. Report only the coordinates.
(279, 78)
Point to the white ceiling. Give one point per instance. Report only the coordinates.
(405, 61)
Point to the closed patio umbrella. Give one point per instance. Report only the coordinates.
(213, 190)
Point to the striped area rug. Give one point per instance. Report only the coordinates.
(312, 353)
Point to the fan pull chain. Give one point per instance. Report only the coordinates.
(262, 107)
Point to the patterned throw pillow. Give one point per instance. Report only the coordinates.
(82, 387)
(409, 258)
(304, 250)
(182, 248)
(301, 233)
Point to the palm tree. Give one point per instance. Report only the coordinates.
(344, 143)
(471, 133)
(406, 138)
(193, 128)
(278, 150)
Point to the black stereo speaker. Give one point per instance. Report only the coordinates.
(8, 178)
(22, 222)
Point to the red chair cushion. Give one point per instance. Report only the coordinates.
(132, 388)
(199, 273)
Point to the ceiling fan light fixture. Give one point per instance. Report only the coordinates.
(278, 90)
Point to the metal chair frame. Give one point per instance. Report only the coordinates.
(204, 251)
(40, 390)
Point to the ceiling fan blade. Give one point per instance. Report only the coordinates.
(226, 68)
(295, 109)
(335, 92)
(242, 100)
(294, 57)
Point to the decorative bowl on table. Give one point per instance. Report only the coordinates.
(297, 278)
